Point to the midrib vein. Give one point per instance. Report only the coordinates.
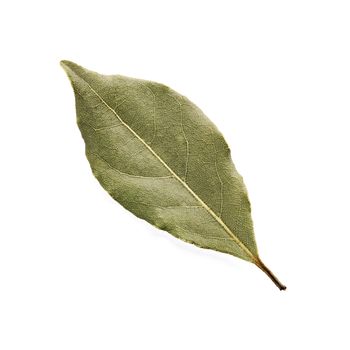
(210, 211)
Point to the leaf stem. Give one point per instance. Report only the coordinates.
(273, 278)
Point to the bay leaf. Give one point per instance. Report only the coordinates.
(161, 158)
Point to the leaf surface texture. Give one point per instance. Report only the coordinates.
(158, 155)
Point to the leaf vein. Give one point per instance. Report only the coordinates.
(221, 185)
(127, 174)
(154, 111)
(184, 135)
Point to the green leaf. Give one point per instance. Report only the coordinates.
(159, 156)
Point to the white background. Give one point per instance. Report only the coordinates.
(77, 271)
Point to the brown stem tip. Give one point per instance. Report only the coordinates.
(273, 278)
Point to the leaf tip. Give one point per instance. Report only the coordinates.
(63, 63)
(67, 65)
(72, 70)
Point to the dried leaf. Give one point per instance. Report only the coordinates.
(158, 155)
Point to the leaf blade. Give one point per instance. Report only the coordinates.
(172, 143)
